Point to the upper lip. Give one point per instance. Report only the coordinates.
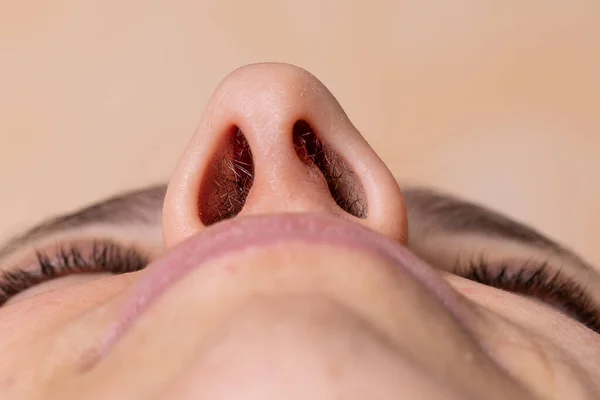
(242, 232)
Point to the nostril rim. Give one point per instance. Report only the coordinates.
(344, 185)
(225, 187)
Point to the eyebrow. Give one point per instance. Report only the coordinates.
(440, 211)
(432, 209)
(137, 207)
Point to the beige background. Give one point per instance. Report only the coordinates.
(497, 100)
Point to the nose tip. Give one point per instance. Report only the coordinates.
(273, 139)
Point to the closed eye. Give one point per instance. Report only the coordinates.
(70, 259)
(536, 280)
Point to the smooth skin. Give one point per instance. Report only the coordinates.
(289, 318)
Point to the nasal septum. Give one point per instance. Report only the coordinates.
(273, 139)
(227, 184)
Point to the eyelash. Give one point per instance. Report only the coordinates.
(104, 256)
(537, 281)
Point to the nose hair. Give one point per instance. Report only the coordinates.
(273, 139)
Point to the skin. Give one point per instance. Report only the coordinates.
(293, 319)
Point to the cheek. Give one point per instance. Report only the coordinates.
(486, 296)
(517, 319)
(55, 285)
(54, 320)
(534, 341)
(526, 312)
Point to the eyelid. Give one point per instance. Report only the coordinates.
(51, 285)
(69, 259)
(539, 280)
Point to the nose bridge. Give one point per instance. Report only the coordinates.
(286, 128)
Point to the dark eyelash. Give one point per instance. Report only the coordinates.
(104, 256)
(538, 281)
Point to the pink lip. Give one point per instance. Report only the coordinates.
(257, 231)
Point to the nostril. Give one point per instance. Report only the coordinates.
(227, 182)
(344, 185)
(225, 187)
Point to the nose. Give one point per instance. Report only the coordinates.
(273, 139)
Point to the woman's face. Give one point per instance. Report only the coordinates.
(286, 262)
